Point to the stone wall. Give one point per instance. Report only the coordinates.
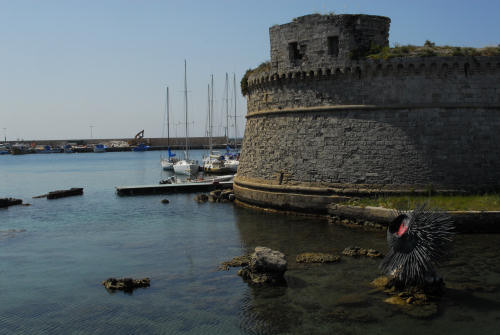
(354, 33)
(374, 148)
(429, 81)
(327, 127)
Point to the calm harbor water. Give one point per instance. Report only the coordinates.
(54, 255)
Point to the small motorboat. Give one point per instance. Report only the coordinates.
(141, 147)
(100, 148)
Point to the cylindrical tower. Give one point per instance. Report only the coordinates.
(323, 121)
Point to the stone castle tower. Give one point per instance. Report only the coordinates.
(323, 121)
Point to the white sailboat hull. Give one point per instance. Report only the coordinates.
(186, 168)
(232, 164)
(167, 164)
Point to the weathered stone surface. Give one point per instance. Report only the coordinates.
(125, 284)
(314, 44)
(317, 257)
(266, 266)
(266, 260)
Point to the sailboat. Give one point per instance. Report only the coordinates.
(167, 163)
(214, 162)
(232, 158)
(186, 166)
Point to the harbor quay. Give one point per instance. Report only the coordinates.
(126, 144)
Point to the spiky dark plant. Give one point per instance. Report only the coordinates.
(418, 240)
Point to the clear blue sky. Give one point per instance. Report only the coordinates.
(67, 64)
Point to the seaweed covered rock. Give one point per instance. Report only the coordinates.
(317, 257)
(235, 262)
(221, 196)
(266, 267)
(358, 251)
(125, 284)
(419, 301)
(201, 198)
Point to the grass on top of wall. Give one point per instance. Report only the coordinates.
(486, 202)
(429, 49)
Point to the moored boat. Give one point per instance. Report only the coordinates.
(186, 166)
(4, 150)
(141, 147)
(100, 148)
(19, 149)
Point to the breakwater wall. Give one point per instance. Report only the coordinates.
(155, 143)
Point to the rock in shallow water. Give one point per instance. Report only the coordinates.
(125, 284)
(358, 251)
(235, 262)
(415, 301)
(266, 266)
(317, 257)
(201, 198)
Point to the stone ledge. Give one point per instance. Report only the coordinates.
(332, 108)
(337, 189)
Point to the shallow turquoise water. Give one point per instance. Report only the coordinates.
(52, 265)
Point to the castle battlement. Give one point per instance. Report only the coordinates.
(438, 66)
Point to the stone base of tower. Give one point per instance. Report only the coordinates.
(286, 198)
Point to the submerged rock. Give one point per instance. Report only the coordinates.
(10, 233)
(316, 257)
(416, 301)
(352, 300)
(125, 284)
(266, 266)
(352, 315)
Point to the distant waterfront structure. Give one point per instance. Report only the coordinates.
(325, 121)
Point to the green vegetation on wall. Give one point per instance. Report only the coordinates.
(263, 67)
(429, 49)
(485, 202)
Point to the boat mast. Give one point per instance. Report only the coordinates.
(186, 108)
(235, 131)
(210, 114)
(168, 122)
(227, 109)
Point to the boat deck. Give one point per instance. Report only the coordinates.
(172, 188)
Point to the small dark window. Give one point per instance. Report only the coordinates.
(293, 50)
(333, 46)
